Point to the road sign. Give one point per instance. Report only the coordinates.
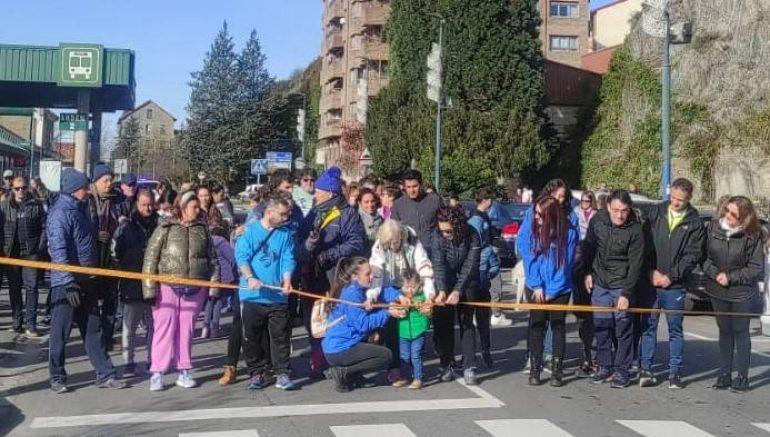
(120, 166)
(366, 155)
(202, 175)
(258, 167)
(276, 160)
(73, 121)
(80, 65)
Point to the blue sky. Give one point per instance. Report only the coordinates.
(171, 37)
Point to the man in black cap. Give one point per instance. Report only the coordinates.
(74, 297)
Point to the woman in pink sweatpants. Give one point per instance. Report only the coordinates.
(180, 247)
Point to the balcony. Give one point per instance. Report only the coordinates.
(332, 69)
(329, 128)
(334, 9)
(375, 13)
(375, 49)
(331, 100)
(334, 40)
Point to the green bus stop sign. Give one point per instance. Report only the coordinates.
(81, 65)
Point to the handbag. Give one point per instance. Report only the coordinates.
(319, 319)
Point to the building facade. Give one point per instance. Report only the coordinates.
(18, 128)
(354, 67)
(564, 30)
(156, 140)
(611, 23)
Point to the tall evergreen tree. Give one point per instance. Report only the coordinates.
(493, 72)
(127, 146)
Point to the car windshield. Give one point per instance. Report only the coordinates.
(505, 213)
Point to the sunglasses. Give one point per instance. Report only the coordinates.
(19, 188)
(308, 180)
(587, 200)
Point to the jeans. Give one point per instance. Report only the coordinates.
(108, 293)
(734, 336)
(361, 359)
(612, 329)
(411, 356)
(537, 329)
(496, 293)
(212, 312)
(667, 299)
(86, 316)
(266, 338)
(133, 313)
(25, 311)
(236, 334)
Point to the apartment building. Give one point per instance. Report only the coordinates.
(564, 30)
(354, 67)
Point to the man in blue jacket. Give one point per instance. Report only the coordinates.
(331, 231)
(72, 240)
(265, 255)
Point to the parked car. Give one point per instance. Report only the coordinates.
(506, 220)
(246, 193)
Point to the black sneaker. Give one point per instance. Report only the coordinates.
(129, 371)
(647, 379)
(59, 388)
(113, 384)
(620, 381)
(585, 370)
(339, 379)
(740, 384)
(448, 374)
(723, 382)
(675, 382)
(602, 376)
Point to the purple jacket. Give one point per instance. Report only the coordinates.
(226, 257)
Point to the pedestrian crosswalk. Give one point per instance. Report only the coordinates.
(509, 428)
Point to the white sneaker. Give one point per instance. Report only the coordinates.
(205, 332)
(156, 382)
(501, 320)
(185, 380)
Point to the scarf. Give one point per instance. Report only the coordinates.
(728, 230)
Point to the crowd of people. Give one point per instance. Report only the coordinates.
(387, 262)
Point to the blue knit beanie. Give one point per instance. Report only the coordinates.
(100, 170)
(330, 180)
(73, 180)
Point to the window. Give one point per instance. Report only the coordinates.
(564, 43)
(149, 114)
(162, 129)
(148, 129)
(566, 10)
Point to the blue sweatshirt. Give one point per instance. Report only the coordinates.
(541, 270)
(274, 262)
(357, 323)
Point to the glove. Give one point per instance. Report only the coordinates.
(73, 295)
(312, 240)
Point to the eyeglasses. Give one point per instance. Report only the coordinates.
(308, 180)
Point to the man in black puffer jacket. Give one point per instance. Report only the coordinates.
(25, 237)
(675, 243)
(614, 250)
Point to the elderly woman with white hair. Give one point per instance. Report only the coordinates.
(397, 249)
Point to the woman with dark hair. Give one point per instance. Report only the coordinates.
(456, 259)
(368, 203)
(548, 255)
(182, 247)
(203, 193)
(223, 204)
(734, 266)
(584, 212)
(166, 204)
(348, 326)
(220, 234)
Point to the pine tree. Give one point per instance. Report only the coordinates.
(127, 146)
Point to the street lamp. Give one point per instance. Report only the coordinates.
(435, 92)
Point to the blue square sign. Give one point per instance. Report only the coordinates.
(258, 167)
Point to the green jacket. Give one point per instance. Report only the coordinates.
(415, 324)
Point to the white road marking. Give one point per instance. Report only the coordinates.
(663, 428)
(521, 427)
(243, 433)
(391, 430)
(701, 337)
(764, 426)
(485, 400)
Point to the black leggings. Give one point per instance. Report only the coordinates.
(361, 358)
(236, 335)
(537, 323)
(734, 336)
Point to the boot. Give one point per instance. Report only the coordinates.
(557, 372)
(228, 376)
(535, 368)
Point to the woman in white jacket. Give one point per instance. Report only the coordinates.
(396, 250)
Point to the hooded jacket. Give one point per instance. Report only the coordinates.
(419, 214)
(71, 238)
(182, 251)
(740, 256)
(356, 323)
(541, 268)
(675, 253)
(615, 253)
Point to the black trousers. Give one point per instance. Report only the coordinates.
(444, 332)
(585, 320)
(391, 341)
(235, 339)
(361, 359)
(266, 338)
(537, 328)
(734, 336)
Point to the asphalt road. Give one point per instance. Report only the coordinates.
(502, 405)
